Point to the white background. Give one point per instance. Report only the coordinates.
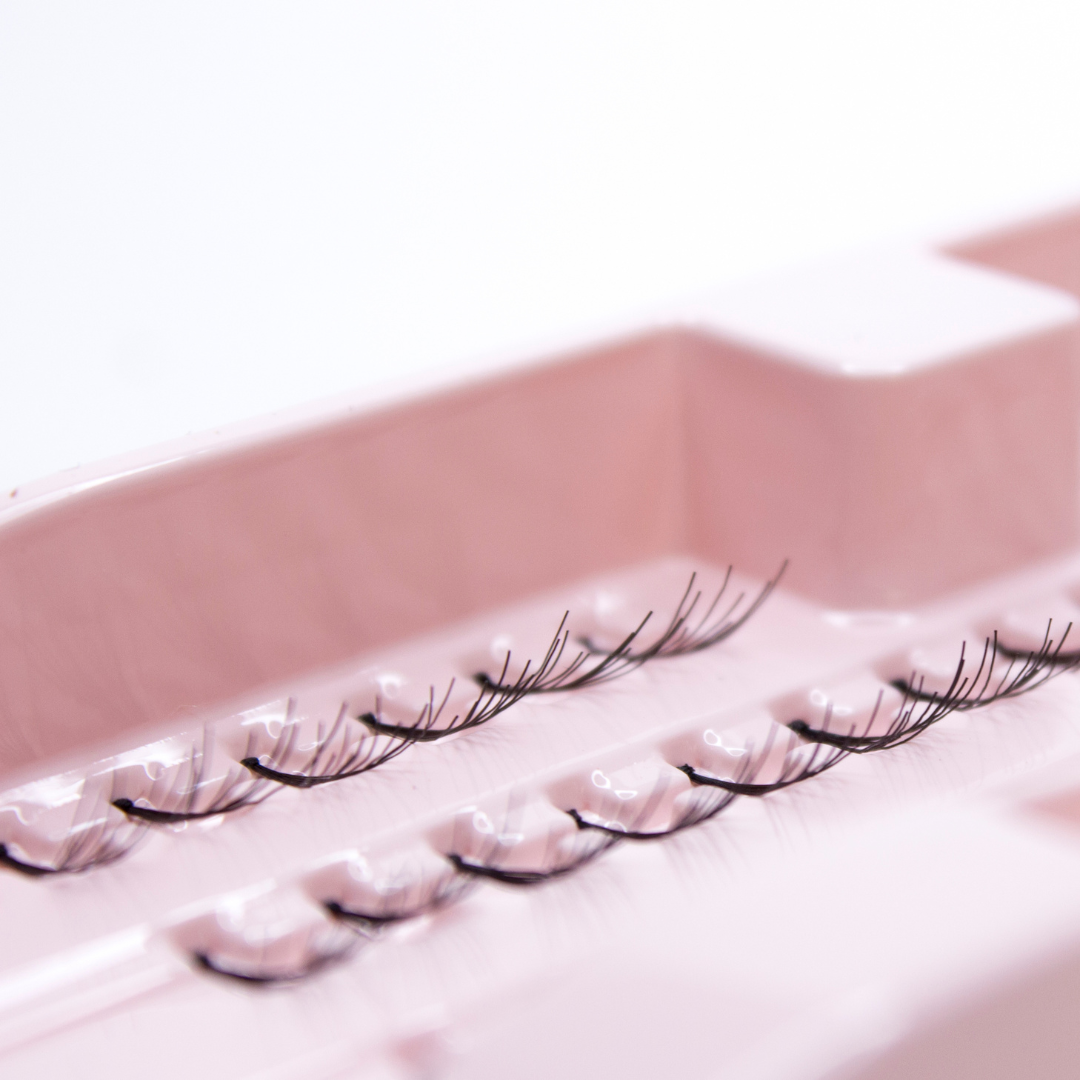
(209, 210)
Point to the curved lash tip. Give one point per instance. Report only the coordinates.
(689, 630)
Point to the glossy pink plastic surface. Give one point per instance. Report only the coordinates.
(903, 428)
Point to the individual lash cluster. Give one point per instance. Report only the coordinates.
(682, 636)
(97, 836)
(921, 709)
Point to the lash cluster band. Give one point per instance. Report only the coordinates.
(346, 749)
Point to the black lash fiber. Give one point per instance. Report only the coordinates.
(539, 876)
(1057, 656)
(494, 698)
(700, 810)
(317, 963)
(679, 638)
(317, 959)
(1022, 674)
(192, 797)
(921, 709)
(97, 841)
(795, 769)
(338, 753)
(410, 903)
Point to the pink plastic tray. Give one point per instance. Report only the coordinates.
(434, 737)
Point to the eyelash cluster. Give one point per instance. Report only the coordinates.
(339, 753)
(921, 709)
(317, 959)
(191, 797)
(98, 836)
(807, 752)
(346, 749)
(411, 903)
(678, 638)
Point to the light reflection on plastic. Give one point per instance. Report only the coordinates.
(601, 781)
(821, 699)
(713, 739)
(501, 644)
(390, 683)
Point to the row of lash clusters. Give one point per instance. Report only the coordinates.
(808, 752)
(353, 745)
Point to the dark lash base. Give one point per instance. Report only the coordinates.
(364, 920)
(791, 772)
(368, 919)
(297, 780)
(206, 963)
(688, 821)
(302, 780)
(407, 732)
(509, 877)
(351, 759)
(170, 817)
(527, 877)
(755, 790)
